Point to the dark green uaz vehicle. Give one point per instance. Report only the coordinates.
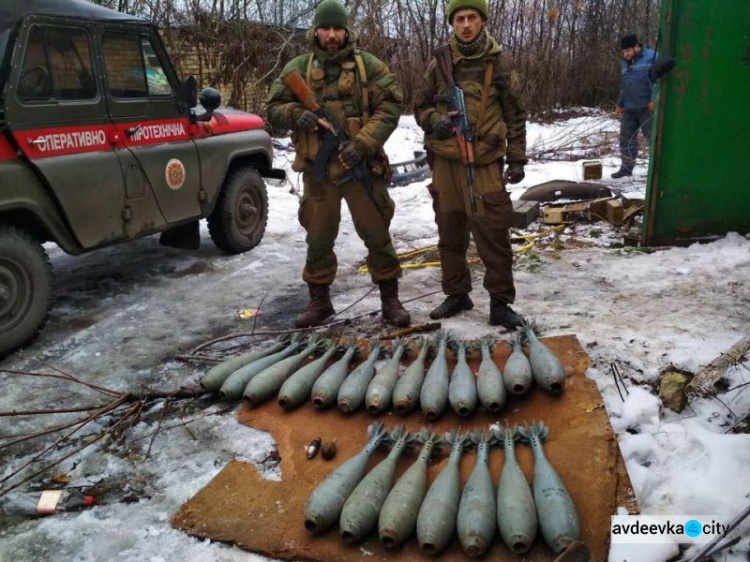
(100, 143)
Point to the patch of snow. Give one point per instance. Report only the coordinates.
(123, 315)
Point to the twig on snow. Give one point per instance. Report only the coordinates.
(295, 330)
(62, 376)
(49, 411)
(257, 311)
(617, 382)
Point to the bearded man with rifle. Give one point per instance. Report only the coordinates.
(342, 104)
(470, 107)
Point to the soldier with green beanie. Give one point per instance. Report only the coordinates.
(478, 5)
(365, 100)
(497, 118)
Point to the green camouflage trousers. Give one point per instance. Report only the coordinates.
(489, 228)
(320, 215)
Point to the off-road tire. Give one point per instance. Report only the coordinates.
(25, 288)
(238, 221)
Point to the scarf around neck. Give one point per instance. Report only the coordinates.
(474, 46)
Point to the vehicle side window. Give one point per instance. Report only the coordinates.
(133, 68)
(126, 75)
(57, 66)
(158, 84)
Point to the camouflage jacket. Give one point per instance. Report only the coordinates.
(337, 83)
(499, 130)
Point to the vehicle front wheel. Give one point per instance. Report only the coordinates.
(238, 221)
(25, 288)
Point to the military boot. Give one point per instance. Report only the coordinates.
(503, 315)
(451, 306)
(393, 311)
(318, 309)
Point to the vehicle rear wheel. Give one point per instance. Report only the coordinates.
(238, 221)
(25, 288)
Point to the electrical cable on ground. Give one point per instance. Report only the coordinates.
(531, 241)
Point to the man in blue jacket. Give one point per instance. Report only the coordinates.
(635, 103)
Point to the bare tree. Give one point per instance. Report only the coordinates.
(566, 50)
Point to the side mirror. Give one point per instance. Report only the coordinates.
(662, 65)
(210, 99)
(189, 91)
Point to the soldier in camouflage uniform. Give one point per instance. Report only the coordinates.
(498, 121)
(365, 99)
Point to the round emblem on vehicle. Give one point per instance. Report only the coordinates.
(175, 174)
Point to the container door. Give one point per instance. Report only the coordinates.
(699, 184)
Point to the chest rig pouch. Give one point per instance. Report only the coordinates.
(351, 90)
(344, 89)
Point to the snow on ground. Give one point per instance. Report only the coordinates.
(124, 314)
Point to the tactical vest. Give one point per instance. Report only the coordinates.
(346, 96)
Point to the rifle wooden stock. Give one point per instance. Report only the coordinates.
(294, 81)
(466, 147)
(470, 153)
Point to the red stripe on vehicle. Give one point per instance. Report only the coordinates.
(43, 143)
(6, 150)
(138, 133)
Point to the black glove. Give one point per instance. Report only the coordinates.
(308, 121)
(514, 173)
(444, 128)
(351, 154)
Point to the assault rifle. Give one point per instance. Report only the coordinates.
(333, 136)
(457, 107)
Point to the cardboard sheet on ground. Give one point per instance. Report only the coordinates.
(267, 517)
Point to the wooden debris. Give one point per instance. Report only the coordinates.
(706, 381)
(615, 211)
(576, 552)
(428, 327)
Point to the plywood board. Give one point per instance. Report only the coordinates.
(264, 516)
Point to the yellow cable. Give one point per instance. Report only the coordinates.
(538, 234)
(417, 251)
(414, 265)
(417, 265)
(524, 247)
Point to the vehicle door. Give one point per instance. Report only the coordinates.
(153, 125)
(57, 114)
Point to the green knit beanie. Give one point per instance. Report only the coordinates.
(455, 5)
(330, 13)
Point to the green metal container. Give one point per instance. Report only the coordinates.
(699, 177)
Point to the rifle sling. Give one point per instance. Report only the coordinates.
(365, 90)
(308, 72)
(444, 60)
(485, 91)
